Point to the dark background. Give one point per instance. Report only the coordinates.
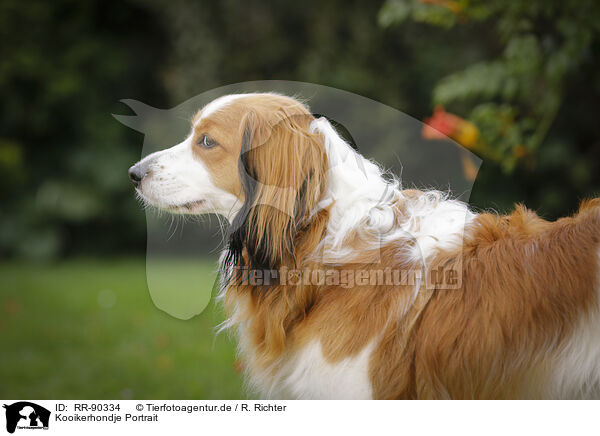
(64, 66)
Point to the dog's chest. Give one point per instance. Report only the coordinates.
(307, 374)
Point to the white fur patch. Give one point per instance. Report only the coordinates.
(179, 182)
(361, 199)
(312, 377)
(436, 223)
(358, 195)
(218, 104)
(576, 372)
(306, 375)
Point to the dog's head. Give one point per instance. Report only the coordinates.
(251, 158)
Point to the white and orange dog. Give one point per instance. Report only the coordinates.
(515, 315)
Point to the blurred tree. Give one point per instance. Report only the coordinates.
(336, 43)
(63, 67)
(530, 94)
(525, 75)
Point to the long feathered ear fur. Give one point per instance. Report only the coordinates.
(283, 170)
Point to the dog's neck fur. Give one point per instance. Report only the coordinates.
(363, 199)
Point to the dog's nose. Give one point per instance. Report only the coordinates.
(136, 174)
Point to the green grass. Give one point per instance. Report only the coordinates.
(88, 329)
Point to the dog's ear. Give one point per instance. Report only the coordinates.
(283, 168)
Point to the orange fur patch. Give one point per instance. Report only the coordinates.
(525, 282)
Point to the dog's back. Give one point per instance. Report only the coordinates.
(526, 321)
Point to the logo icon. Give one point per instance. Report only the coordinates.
(26, 415)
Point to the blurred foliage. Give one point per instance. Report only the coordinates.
(336, 43)
(525, 73)
(531, 93)
(63, 67)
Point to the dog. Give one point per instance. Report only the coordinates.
(342, 285)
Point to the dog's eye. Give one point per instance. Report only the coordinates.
(206, 142)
